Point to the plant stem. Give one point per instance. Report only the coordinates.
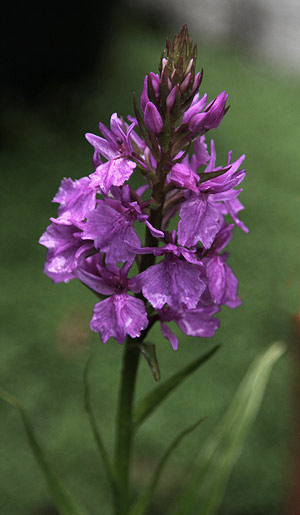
(124, 425)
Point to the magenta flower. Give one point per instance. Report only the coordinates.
(66, 250)
(119, 314)
(153, 119)
(200, 221)
(116, 147)
(173, 281)
(200, 119)
(197, 322)
(184, 177)
(222, 283)
(202, 212)
(76, 199)
(111, 227)
(106, 229)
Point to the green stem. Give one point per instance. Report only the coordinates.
(124, 425)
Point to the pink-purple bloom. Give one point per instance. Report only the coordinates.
(116, 239)
(76, 199)
(116, 147)
(120, 313)
(66, 250)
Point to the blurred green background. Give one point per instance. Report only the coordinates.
(45, 336)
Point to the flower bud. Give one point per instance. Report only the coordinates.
(216, 111)
(155, 82)
(152, 119)
(185, 83)
(195, 109)
(171, 97)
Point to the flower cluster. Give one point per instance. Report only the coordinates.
(180, 272)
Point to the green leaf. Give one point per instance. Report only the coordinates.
(61, 497)
(148, 351)
(143, 502)
(206, 487)
(110, 473)
(148, 404)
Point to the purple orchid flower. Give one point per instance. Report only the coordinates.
(152, 117)
(96, 235)
(66, 250)
(111, 226)
(199, 118)
(120, 313)
(222, 283)
(202, 212)
(116, 147)
(175, 280)
(76, 199)
(200, 221)
(196, 322)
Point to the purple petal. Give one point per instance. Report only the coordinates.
(93, 280)
(167, 333)
(200, 221)
(155, 82)
(76, 199)
(196, 107)
(216, 111)
(173, 282)
(224, 195)
(232, 284)
(119, 315)
(185, 83)
(97, 161)
(114, 172)
(215, 271)
(116, 126)
(222, 283)
(184, 177)
(233, 207)
(63, 242)
(107, 134)
(201, 152)
(196, 323)
(105, 148)
(197, 123)
(171, 97)
(212, 162)
(155, 232)
(110, 229)
(58, 237)
(223, 238)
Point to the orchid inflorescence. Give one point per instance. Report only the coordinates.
(180, 274)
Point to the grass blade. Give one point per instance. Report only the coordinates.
(206, 487)
(143, 502)
(148, 404)
(61, 497)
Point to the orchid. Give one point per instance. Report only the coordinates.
(100, 215)
(120, 241)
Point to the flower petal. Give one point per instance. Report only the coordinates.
(119, 315)
(114, 172)
(173, 281)
(200, 221)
